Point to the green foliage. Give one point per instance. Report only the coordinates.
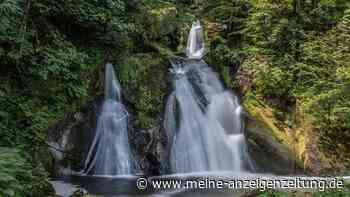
(226, 35)
(41, 57)
(328, 93)
(49, 53)
(273, 27)
(86, 14)
(225, 60)
(10, 10)
(324, 14)
(305, 57)
(275, 82)
(231, 13)
(162, 25)
(18, 178)
(143, 78)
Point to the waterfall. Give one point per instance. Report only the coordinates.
(110, 153)
(202, 120)
(195, 44)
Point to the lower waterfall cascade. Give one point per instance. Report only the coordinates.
(110, 152)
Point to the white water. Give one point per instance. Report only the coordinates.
(110, 153)
(195, 44)
(202, 119)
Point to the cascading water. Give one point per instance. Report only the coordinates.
(195, 44)
(202, 120)
(110, 153)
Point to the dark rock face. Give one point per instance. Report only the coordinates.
(71, 138)
(149, 147)
(269, 155)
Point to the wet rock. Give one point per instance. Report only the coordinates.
(63, 189)
(79, 193)
(149, 150)
(270, 155)
(69, 140)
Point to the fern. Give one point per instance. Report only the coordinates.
(10, 12)
(17, 177)
(11, 7)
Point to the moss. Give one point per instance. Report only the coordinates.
(265, 118)
(300, 140)
(159, 23)
(143, 77)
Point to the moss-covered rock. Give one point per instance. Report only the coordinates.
(298, 143)
(144, 81)
(159, 22)
(263, 132)
(69, 140)
(163, 19)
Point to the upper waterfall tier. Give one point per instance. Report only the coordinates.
(195, 42)
(112, 87)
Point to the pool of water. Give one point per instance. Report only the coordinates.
(111, 186)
